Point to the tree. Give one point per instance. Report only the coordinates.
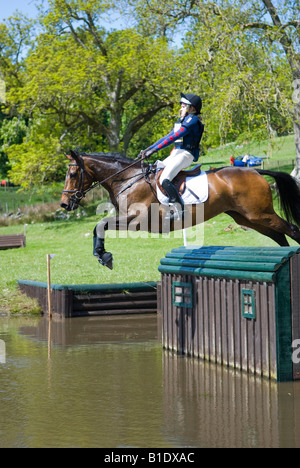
(108, 82)
(15, 38)
(243, 99)
(12, 131)
(267, 21)
(80, 85)
(285, 29)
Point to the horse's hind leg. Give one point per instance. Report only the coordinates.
(279, 225)
(276, 236)
(295, 233)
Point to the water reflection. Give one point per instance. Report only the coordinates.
(2, 352)
(216, 406)
(106, 382)
(106, 329)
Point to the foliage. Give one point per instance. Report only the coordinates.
(103, 82)
(37, 158)
(268, 26)
(12, 132)
(73, 83)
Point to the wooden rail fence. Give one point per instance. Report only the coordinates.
(94, 299)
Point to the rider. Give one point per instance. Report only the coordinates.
(186, 134)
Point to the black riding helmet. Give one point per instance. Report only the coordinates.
(192, 100)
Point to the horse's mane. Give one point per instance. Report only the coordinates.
(120, 157)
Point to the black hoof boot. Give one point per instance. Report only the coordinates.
(106, 259)
(98, 246)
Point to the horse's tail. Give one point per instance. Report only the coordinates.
(289, 194)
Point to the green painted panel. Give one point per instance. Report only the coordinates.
(221, 264)
(283, 325)
(215, 273)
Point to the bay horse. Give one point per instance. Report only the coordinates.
(242, 193)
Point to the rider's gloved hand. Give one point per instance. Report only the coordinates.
(148, 152)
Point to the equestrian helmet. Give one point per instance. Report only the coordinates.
(192, 100)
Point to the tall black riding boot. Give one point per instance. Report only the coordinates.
(177, 212)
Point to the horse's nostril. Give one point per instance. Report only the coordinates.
(64, 206)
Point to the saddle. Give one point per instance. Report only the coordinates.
(180, 180)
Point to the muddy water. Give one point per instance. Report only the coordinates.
(106, 382)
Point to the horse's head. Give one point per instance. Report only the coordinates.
(77, 183)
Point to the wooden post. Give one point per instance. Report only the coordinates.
(49, 284)
(184, 237)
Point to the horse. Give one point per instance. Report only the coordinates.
(242, 193)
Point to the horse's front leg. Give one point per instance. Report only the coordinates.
(105, 258)
(117, 223)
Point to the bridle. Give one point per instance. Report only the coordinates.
(79, 194)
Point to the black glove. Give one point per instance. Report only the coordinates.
(148, 152)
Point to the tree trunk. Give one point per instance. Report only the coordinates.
(115, 130)
(293, 58)
(296, 100)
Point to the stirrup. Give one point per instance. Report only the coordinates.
(174, 214)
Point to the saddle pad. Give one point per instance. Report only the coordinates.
(197, 185)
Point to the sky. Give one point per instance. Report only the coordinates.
(28, 7)
(9, 7)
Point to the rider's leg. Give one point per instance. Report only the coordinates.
(174, 199)
(178, 160)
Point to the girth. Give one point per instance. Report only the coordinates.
(180, 180)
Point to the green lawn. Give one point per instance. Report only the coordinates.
(12, 198)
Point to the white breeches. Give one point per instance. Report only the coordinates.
(179, 159)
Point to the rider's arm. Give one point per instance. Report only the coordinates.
(170, 138)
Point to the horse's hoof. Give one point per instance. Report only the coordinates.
(106, 260)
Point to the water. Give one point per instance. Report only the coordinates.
(106, 382)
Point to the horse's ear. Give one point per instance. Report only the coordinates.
(68, 157)
(76, 156)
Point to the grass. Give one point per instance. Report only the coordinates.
(71, 242)
(12, 198)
